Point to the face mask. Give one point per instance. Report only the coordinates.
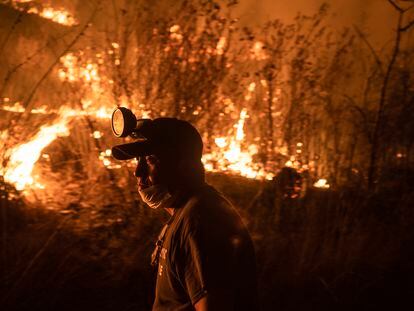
(155, 196)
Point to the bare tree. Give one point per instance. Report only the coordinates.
(401, 28)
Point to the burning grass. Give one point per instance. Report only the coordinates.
(60, 16)
(262, 98)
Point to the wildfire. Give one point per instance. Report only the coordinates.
(322, 183)
(59, 16)
(221, 45)
(106, 159)
(18, 107)
(74, 71)
(231, 156)
(258, 51)
(100, 113)
(231, 153)
(18, 170)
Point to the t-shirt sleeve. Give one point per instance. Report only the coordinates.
(209, 251)
(194, 269)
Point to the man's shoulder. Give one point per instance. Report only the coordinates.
(208, 210)
(206, 200)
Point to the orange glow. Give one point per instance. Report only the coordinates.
(231, 153)
(231, 156)
(59, 16)
(18, 107)
(258, 51)
(221, 45)
(18, 170)
(322, 183)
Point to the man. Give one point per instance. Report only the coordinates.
(204, 253)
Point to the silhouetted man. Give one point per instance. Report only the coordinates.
(204, 253)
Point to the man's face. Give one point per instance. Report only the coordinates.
(148, 171)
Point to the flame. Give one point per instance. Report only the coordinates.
(59, 16)
(322, 183)
(230, 153)
(232, 157)
(97, 134)
(175, 34)
(99, 113)
(106, 159)
(221, 45)
(258, 51)
(18, 170)
(18, 107)
(90, 74)
(73, 70)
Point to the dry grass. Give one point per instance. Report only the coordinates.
(337, 250)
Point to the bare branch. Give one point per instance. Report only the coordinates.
(27, 102)
(11, 72)
(11, 30)
(406, 27)
(398, 8)
(409, 8)
(370, 47)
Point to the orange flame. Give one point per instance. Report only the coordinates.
(232, 157)
(230, 154)
(322, 183)
(59, 16)
(18, 170)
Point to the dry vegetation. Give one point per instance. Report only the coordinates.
(84, 241)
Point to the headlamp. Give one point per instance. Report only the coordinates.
(124, 123)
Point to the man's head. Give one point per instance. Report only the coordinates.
(168, 151)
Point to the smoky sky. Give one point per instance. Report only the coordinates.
(375, 17)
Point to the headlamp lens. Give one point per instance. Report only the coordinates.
(123, 122)
(118, 122)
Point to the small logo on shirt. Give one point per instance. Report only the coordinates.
(163, 253)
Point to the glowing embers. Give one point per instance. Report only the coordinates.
(231, 156)
(175, 33)
(18, 107)
(107, 160)
(100, 113)
(18, 170)
(322, 183)
(59, 16)
(258, 51)
(74, 71)
(90, 73)
(221, 45)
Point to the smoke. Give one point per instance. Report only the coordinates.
(374, 17)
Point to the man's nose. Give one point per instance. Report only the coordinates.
(142, 168)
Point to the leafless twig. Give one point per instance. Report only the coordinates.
(396, 6)
(370, 47)
(408, 26)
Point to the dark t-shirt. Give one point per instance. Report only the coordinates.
(206, 251)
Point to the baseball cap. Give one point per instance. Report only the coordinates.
(163, 136)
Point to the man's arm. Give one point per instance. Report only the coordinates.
(201, 305)
(213, 302)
